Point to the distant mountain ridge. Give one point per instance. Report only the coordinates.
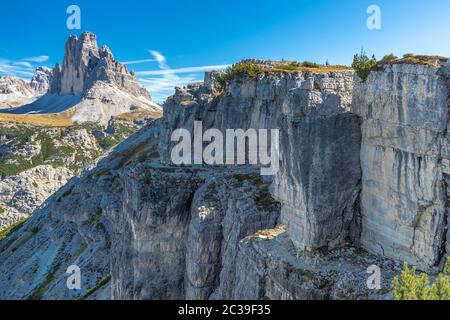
(15, 92)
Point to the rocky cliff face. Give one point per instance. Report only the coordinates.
(318, 181)
(40, 82)
(177, 233)
(146, 230)
(404, 158)
(368, 174)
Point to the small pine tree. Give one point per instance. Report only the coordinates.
(363, 64)
(411, 286)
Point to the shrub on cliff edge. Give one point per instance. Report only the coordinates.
(412, 286)
(248, 69)
(362, 64)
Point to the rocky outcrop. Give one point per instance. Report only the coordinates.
(318, 181)
(21, 194)
(11, 85)
(15, 92)
(40, 82)
(270, 267)
(404, 159)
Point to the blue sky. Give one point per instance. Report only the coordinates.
(183, 38)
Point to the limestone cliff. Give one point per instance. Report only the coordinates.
(405, 161)
(362, 169)
(40, 82)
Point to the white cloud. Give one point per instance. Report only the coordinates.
(16, 68)
(138, 61)
(37, 59)
(158, 56)
(23, 68)
(23, 64)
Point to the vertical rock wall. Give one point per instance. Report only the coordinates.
(404, 159)
(318, 182)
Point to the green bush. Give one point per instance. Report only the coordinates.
(2, 210)
(389, 57)
(308, 64)
(412, 286)
(247, 69)
(101, 283)
(11, 229)
(291, 66)
(362, 64)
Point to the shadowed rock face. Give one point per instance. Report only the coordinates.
(318, 182)
(404, 159)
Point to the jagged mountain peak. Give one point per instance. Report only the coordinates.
(85, 63)
(40, 82)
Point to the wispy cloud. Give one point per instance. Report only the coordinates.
(23, 68)
(23, 64)
(138, 61)
(16, 68)
(37, 59)
(158, 56)
(161, 83)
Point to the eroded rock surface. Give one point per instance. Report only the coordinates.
(404, 159)
(143, 228)
(40, 82)
(318, 181)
